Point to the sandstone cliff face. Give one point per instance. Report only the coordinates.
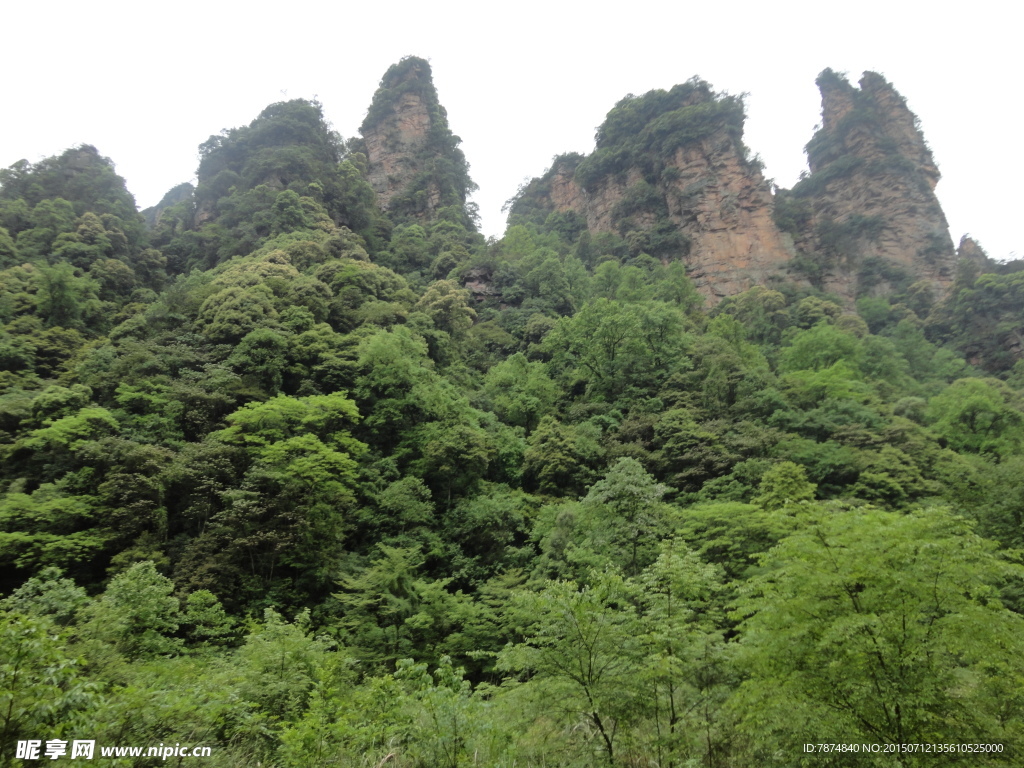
(725, 207)
(413, 160)
(884, 125)
(393, 146)
(716, 200)
(875, 223)
(864, 222)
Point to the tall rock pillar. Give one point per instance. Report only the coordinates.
(872, 222)
(414, 162)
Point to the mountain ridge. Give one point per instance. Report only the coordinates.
(856, 204)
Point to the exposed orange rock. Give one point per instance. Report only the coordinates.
(414, 163)
(875, 219)
(719, 201)
(392, 146)
(865, 221)
(723, 204)
(970, 251)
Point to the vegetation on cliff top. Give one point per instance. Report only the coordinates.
(640, 136)
(643, 131)
(830, 152)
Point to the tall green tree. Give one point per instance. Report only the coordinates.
(875, 627)
(581, 659)
(42, 690)
(137, 614)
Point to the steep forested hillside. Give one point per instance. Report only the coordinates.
(297, 466)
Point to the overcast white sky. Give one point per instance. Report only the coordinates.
(146, 83)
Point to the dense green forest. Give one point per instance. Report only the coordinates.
(275, 481)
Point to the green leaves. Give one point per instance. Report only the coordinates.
(206, 620)
(581, 651)
(49, 528)
(618, 348)
(304, 462)
(298, 489)
(983, 316)
(47, 595)
(625, 669)
(784, 484)
(390, 609)
(71, 432)
(137, 614)
(641, 128)
(280, 662)
(877, 627)
(821, 347)
(259, 425)
(489, 455)
(40, 686)
(232, 313)
(519, 392)
(980, 416)
(447, 306)
(626, 504)
(64, 298)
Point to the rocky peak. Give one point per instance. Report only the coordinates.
(899, 124)
(873, 120)
(870, 221)
(972, 252)
(671, 176)
(179, 194)
(288, 146)
(414, 163)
